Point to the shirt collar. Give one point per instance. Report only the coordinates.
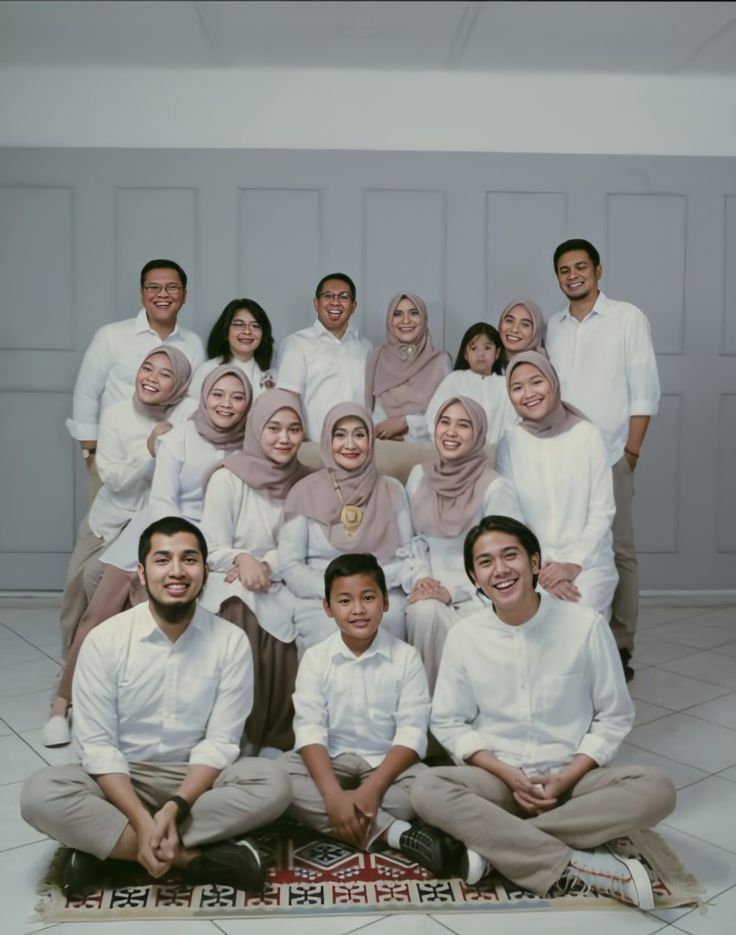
(319, 330)
(599, 308)
(381, 646)
(147, 630)
(142, 326)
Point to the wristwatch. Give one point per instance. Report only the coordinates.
(183, 807)
(88, 453)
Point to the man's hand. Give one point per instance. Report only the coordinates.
(345, 822)
(366, 802)
(165, 839)
(253, 574)
(145, 830)
(429, 589)
(161, 428)
(395, 427)
(528, 792)
(91, 447)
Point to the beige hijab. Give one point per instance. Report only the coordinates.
(182, 375)
(219, 437)
(536, 339)
(563, 416)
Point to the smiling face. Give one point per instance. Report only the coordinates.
(531, 393)
(577, 276)
(516, 328)
(334, 306)
(282, 435)
(350, 443)
(226, 402)
(357, 606)
(174, 575)
(406, 322)
(162, 295)
(504, 572)
(244, 334)
(453, 434)
(154, 382)
(481, 354)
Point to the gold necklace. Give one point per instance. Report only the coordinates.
(351, 516)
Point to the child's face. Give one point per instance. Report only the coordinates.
(357, 606)
(481, 354)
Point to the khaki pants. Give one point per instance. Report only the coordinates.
(307, 804)
(82, 577)
(478, 809)
(66, 803)
(625, 607)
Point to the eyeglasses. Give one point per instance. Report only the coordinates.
(153, 288)
(340, 296)
(240, 325)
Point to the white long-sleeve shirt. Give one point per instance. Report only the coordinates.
(535, 695)
(362, 704)
(442, 558)
(109, 366)
(489, 391)
(324, 370)
(250, 368)
(565, 488)
(606, 366)
(138, 697)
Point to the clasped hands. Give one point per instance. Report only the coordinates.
(254, 574)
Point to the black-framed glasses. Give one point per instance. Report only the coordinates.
(340, 296)
(153, 288)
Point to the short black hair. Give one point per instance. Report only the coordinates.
(218, 344)
(480, 327)
(354, 563)
(526, 538)
(343, 277)
(169, 526)
(577, 243)
(164, 264)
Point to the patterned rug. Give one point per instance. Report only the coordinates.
(309, 874)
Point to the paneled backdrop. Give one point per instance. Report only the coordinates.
(469, 232)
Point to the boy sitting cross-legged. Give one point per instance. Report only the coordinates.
(361, 716)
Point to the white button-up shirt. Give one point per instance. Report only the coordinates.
(324, 370)
(110, 364)
(362, 704)
(606, 366)
(138, 697)
(535, 695)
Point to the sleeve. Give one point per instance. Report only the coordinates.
(292, 367)
(613, 709)
(301, 579)
(412, 711)
(501, 499)
(195, 384)
(396, 569)
(418, 431)
(503, 459)
(310, 708)
(416, 555)
(601, 505)
(444, 391)
(166, 483)
(453, 707)
(220, 513)
(121, 465)
(95, 709)
(89, 387)
(641, 367)
(220, 745)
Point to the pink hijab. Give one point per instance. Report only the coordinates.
(403, 377)
(562, 417)
(182, 375)
(316, 497)
(221, 438)
(251, 464)
(446, 500)
(536, 340)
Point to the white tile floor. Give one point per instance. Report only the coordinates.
(685, 693)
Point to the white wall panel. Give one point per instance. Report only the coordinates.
(657, 481)
(726, 477)
(729, 286)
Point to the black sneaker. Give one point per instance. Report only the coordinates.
(432, 849)
(233, 863)
(625, 662)
(82, 872)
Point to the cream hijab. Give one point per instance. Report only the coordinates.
(562, 416)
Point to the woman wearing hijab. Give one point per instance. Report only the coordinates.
(448, 496)
(521, 327)
(129, 433)
(243, 511)
(345, 507)
(557, 462)
(403, 373)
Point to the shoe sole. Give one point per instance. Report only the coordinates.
(642, 883)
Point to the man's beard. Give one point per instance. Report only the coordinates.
(173, 613)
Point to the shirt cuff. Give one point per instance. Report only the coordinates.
(597, 749)
(99, 761)
(309, 734)
(413, 738)
(643, 407)
(82, 431)
(461, 745)
(216, 755)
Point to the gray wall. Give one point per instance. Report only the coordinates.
(469, 232)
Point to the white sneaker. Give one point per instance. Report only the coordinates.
(56, 731)
(602, 871)
(473, 867)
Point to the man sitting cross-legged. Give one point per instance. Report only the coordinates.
(531, 697)
(160, 696)
(361, 715)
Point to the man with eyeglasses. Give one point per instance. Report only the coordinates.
(325, 363)
(108, 369)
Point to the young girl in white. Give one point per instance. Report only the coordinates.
(557, 462)
(477, 375)
(345, 507)
(402, 374)
(243, 510)
(448, 496)
(241, 336)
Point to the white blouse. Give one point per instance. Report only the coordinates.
(490, 392)
(250, 368)
(565, 488)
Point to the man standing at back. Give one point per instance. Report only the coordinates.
(108, 369)
(325, 363)
(602, 351)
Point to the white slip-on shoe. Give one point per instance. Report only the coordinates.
(473, 867)
(602, 871)
(56, 731)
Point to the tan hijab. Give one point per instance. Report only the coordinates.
(354, 508)
(446, 500)
(251, 464)
(536, 340)
(182, 375)
(221, 438)
(403, 377)
(562, 416)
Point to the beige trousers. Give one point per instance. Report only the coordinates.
(82, 577)
(625, 607)
(478, 809)
(66, 803)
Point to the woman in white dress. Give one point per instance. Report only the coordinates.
(345, 507)
(241, 336)
(521, 327)
(448, 497)
(243, 511)
(557, 461)
(402, 374)
(478, 375)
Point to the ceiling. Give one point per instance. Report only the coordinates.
(655, 38)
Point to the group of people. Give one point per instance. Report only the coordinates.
(362, 520)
